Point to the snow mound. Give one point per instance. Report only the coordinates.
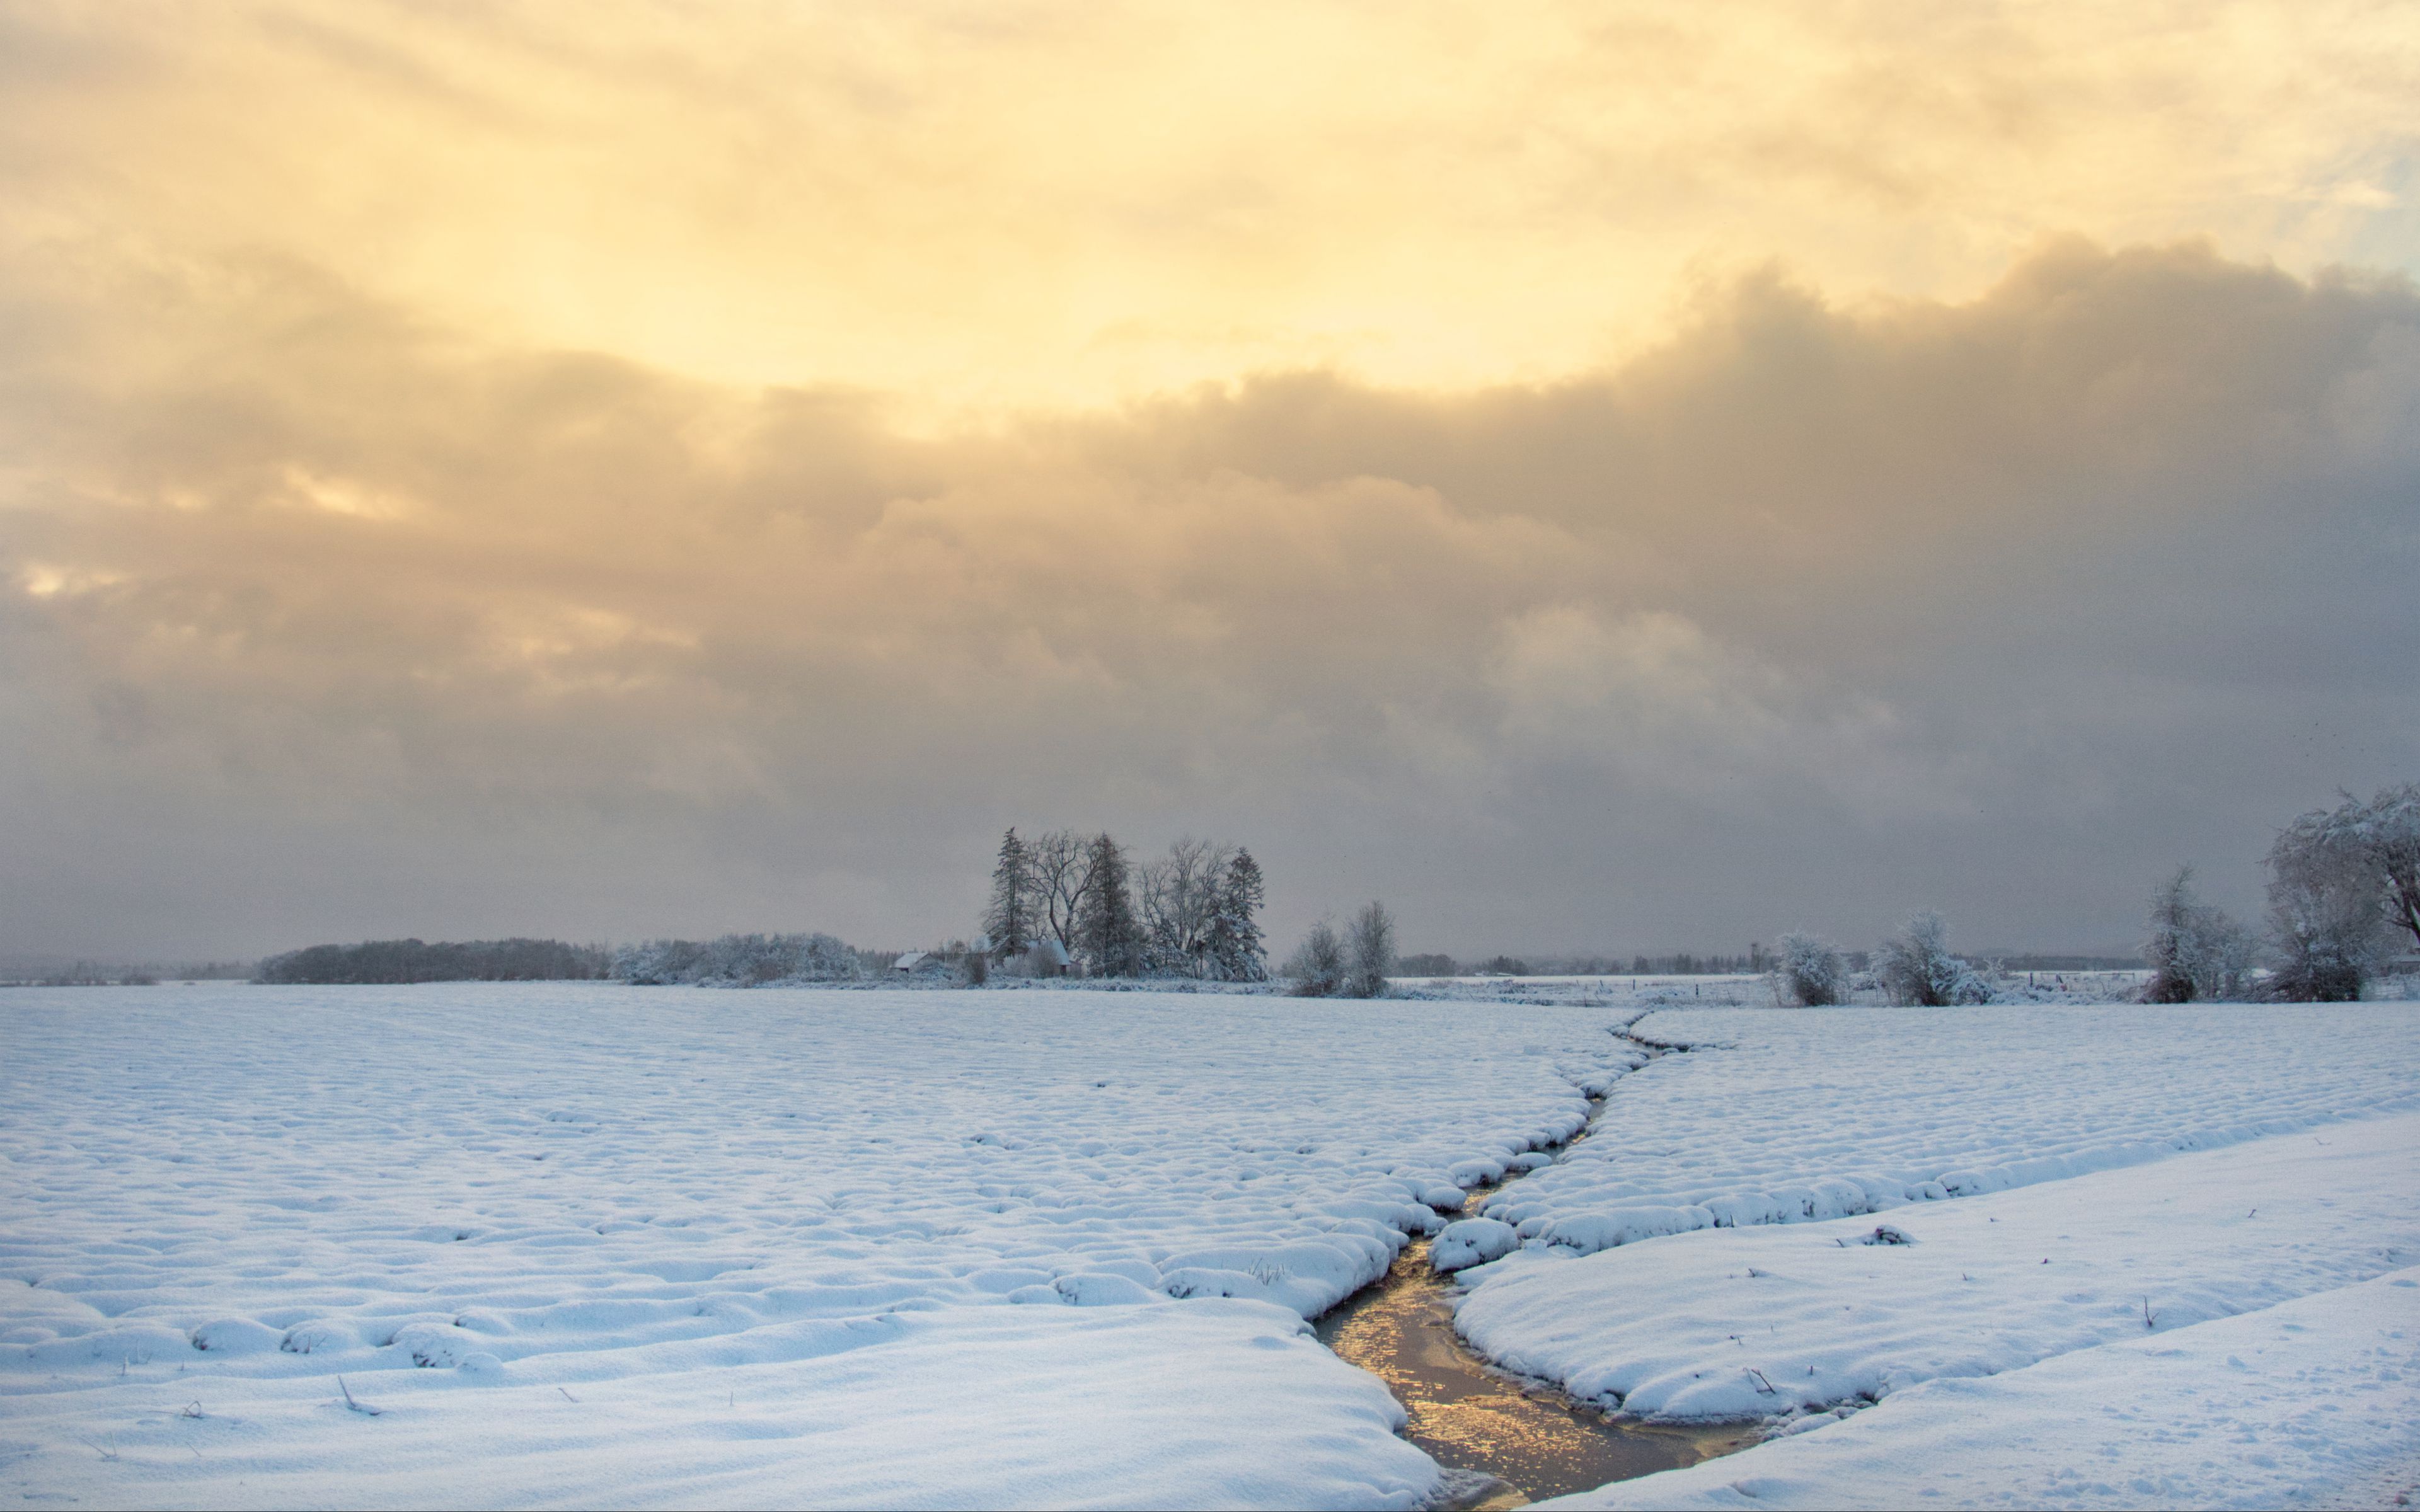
(1472, 1241)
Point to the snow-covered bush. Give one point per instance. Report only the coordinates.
(738, 961)
(1317, 967)
(1915, 967)
(1808, 972)
(2195, 950)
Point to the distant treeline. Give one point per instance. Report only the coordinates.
(740, 960)
(1680, 964)
(406, 961)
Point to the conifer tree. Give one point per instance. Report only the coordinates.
(1012, 920)
(1236, 950)
(1108, 932)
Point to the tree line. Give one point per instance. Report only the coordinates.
(1193, 912)
(2343, 893)
(411, 961)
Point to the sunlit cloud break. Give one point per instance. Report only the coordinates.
(1609, 480)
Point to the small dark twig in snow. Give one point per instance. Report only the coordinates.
(1761, 1385)
(360, 1407)
(193, 1409)
(2254, 1213)
(1752, 1271)
(2150, 1319)
(567, 1396)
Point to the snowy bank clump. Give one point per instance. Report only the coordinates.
(738, 961)
(594, 1243)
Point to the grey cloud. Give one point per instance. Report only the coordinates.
(318, 621)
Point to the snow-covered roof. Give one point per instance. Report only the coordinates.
(907, 961)
(1052, 951)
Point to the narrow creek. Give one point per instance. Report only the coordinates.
(1504, 1442)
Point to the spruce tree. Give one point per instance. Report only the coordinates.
(1237, 951)
(1011, 918)
(1108, 932)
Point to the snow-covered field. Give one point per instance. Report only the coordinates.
(586, 1245)
(2179, 1267)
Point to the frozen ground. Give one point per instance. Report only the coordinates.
(598, 1246)
(2180, 1274)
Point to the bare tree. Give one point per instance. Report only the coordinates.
(1369, 945)
(1181, 894)
(1808, 971)
(1062, 862)
(2325, 913)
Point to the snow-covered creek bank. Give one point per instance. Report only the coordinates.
(1504, 1442)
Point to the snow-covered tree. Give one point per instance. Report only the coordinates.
(1915, 967)
(2195, 950)
(1013, 920)
(1108, 937)
(2385, 834)
(1369, 951)
(1236, 953)
(1808, 971)
(1317, 967)
(2325, 913)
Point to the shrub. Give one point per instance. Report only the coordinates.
(2195, 950)
(1317, 967)
(1916, 968)
(1808, 971)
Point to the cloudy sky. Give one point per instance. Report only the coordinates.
(1610, 476)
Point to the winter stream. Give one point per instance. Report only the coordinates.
(1504, 1442)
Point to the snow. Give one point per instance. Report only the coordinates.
(605, 1245)
(1747, 1322)
(2315, 1402)
(1793, 1115)
(2177, 1270)
(588, 1244)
